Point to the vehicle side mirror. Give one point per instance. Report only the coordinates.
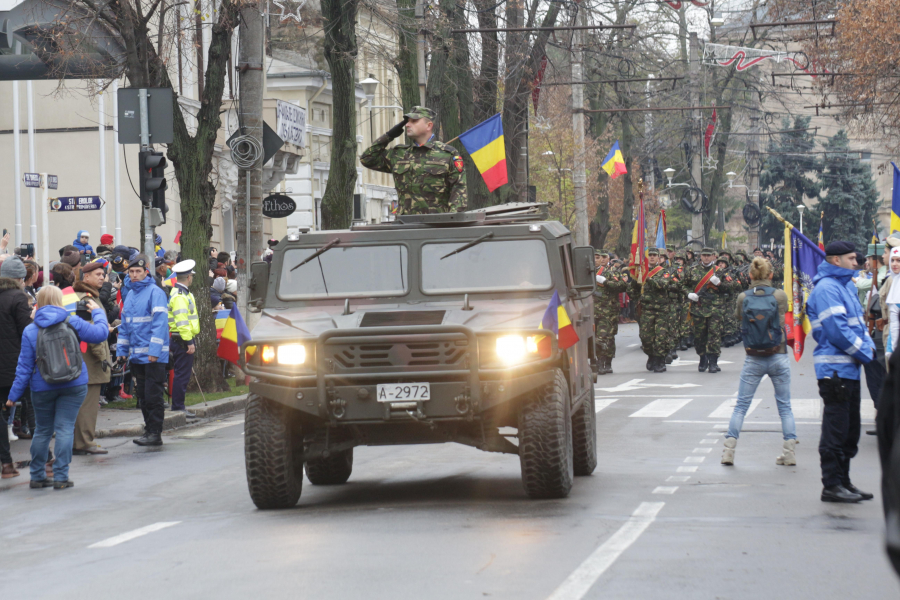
(583, 268)
(259, 283)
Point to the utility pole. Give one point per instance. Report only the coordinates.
(247, 150)
(420, 49)
(149, 245)
(523, 151)
(753, 168)
(697, 231)
(579, 178)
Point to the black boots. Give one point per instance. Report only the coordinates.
(713, 363)
(671, 356)
(659, 364)
(604, 365)
(704, 362)
(683, 344)
(649, 364)
(608, 364)
(149, 439)
(838, 493)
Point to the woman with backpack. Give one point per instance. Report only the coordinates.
(764, 342)
(51, 363)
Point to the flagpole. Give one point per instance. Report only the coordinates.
(778, 216)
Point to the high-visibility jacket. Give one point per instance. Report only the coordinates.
(183, 318)
(143, 332)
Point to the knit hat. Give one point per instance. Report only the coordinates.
(107, 239)
(231, 286)
(13, 268)
(72, 258)
(158, 240)
(219, 284)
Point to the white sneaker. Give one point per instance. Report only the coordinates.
(12, 437)
(728, 451)
(787, 458)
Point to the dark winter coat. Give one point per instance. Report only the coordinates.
(96, 356)
(15, 316)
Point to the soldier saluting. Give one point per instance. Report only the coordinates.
(429, 175)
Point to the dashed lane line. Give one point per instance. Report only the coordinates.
(586, 575)
(665, 489)
(130, 535)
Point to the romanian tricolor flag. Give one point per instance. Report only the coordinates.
(70, 300)
(821, 233)
(486, 146)
(556, 319)
(234, 335)
(875, 238)
(801, 263)
(638, 265)
(895, 201)
(614, 163)
(221, 319)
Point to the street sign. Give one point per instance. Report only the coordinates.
(278, 206)
(52, 182)
(70, 203)
(32, 180)
(161, 118)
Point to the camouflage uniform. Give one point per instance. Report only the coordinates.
(656, 325)
(430, 178)
(729, 321)
(708, 312)
(683, 307)
(606, 316)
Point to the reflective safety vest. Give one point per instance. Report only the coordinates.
(183, 318)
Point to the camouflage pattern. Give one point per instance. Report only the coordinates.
(606, 311)
(430, 178)
(708, 313)
(658, 329)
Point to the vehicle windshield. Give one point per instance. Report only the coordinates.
(491, 266)
(354, 271)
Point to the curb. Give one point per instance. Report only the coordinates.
(175, 419)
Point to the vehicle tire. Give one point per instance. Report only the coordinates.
(545, 441)
(584, 437)
(333, 470)
(274, 477)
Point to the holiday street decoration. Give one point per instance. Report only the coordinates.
(676, 4)
(290, 9)
(744, 58)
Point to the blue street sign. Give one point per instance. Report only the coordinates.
(52, 182)
(76, 203)
(32, 180)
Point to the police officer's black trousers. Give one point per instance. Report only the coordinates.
(150, 381)
(182, 363)
(840, 429)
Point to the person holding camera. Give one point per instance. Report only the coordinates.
(50, 363)
(144, 341)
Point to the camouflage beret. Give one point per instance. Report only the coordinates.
(421, 112)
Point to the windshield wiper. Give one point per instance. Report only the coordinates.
(319, 252)
(474, 242)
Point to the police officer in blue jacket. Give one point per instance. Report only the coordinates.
(843, 344)
(144, 339)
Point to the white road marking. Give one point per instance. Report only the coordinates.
(665, 489)
(721, 425)
(633, 345)
(635, 384)
(684, 363)
(694, 459)
(714, 433)
(806, 408)
(867, 410)
(601, 404)
(686, 469)
(702, 450)
(201, 431)
(586, 575)
(130, 535)
(657, 394)
(664, 407)
(678, 478)
(709, 441)
(726, 408)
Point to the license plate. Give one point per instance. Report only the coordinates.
(403, 392)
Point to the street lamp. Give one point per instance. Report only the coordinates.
(669, 173)
(718, 20)
(369, 85)
(801, 207)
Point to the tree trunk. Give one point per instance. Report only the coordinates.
(340, 52)
(407, 64)
(600, 226)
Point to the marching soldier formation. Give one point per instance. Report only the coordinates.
(681, 303)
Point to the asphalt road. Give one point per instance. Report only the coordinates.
(660, 518)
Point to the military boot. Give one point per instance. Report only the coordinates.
(704, 362)
(149, 439)
(609, 364)
(659, 364)
(690, 341)
(649, 363)
(673, 356)
(682, 344)
(713, 363)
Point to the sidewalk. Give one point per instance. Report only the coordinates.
(113, 422)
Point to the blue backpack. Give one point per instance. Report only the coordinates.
(760, 324)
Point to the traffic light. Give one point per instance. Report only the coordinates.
(153, 182)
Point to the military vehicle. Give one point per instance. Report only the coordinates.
(420, 331)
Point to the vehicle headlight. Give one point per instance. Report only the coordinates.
(514, 349)
(286, 354)
(291, 354)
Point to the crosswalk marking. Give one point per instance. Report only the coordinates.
(725, 409)
(601, 403)
(806, 408)
(664, 407)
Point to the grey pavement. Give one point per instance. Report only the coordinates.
(448, 521)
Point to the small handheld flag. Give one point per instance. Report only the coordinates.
(556, 319)
(234, 335)
(614, 163)
(895, 201)
(821, 240)
(221, 319)
(661, 230)
(486, 145)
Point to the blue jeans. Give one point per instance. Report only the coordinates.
(55, 412)
(778, 368)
